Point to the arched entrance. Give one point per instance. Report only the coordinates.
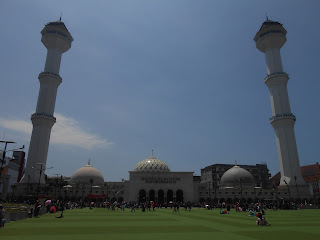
(152, 195)
(170, 195)
(179, 194)
(142, 195)
(161, 196)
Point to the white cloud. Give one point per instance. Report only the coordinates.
(66, 131)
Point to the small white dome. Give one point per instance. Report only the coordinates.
(85, 174)
(235, 176)
(151, 164)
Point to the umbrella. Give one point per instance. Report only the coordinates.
(170, 202)
(92, 202)
(47, 202)
(53, 209)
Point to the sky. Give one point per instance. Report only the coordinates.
(182, 78)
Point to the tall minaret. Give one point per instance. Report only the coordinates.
(269, 39)
(57, 39)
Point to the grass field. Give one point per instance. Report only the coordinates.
(198, 224)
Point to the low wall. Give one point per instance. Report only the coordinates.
(15, 216)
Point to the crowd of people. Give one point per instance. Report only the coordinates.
(257, 210)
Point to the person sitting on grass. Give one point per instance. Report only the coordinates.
(262, 222)
(224, 212)
(252, 214)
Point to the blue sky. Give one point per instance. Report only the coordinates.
(183, 78)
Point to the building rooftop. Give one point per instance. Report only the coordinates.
(310, 173)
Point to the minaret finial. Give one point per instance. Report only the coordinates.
(60, 17)
(151, 152)
(267, 16)
(89, 162)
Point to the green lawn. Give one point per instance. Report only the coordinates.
(164, 224)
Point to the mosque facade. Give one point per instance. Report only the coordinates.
(152, 180)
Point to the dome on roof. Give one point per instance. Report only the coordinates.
(236, 176)
(85, 174)
(151, 164)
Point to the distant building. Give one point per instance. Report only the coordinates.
(213, 174)
(12, 169)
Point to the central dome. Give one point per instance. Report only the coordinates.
(85, 174)
(237, 176)
(151, 164)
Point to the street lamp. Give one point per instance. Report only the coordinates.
(287, 188)
(41, 164)
(240, 180)
(295, 178)
(256, 188)
(13, 188)
(66, 188)
(234, 196)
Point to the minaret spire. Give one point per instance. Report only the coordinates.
(89, 162)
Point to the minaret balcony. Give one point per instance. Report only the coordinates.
(282, 116)
(50, 74)
(43, 115)
(276, 74)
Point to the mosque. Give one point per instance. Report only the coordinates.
(151, 179)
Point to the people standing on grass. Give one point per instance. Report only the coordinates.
(37, 207)
(31, 208)
(133, 209)
(2, 219)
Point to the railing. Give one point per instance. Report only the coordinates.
(57, 32)
(274, 74)
(50, 73)
(268, 32)
(282, 116)
(43, 115)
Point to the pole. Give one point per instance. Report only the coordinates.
(39, 180)
(209, 195)
(288, 189)
(240, 179)
(295, 178)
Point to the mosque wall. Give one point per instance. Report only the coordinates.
(160, 186)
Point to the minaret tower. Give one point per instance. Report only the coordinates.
(269, 39)
(57, 39)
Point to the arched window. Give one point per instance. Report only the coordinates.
(142, 195)
(152, 196)
(179, 194)
(170, 195)
(161, 196)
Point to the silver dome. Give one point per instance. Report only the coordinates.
(235, 176)
(151, 164)
(85, 174)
